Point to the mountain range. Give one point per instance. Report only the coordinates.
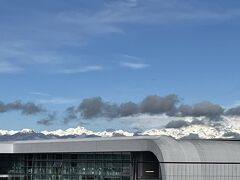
(228, 128)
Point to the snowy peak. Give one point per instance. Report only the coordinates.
(202, 131)
(71, 131)
(27, 131)
(7, 132)
(83, 131)
(228, 128)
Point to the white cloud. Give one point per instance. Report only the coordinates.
(75, 27)
(81, 70)
(40, 94)
(57, 101)
(114, 14)
(16, 57)
(145, 121)
(9, 68)
(135, 65)
(45, 59)
(235, 104)
(130, 57)
(24, 53)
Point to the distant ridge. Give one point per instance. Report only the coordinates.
(229, 128)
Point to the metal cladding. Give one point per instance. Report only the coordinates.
(187, 159)
(166, 149)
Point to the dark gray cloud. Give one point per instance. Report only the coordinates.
(177, 124)
(91, 107)
(205, 108)
(157, 105)
(28, 108)
(95, 107)
(235, 111)
(71, 115)
(110, 110)
(128, 109)
(49, 120)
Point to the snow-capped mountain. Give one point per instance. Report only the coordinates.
(78, 132)
(228, 128)
(83, 131)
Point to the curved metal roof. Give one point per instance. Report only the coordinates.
(212, 151)
(165, 148)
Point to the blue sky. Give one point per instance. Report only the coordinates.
(56, 53)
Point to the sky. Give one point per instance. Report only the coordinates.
(56, 54)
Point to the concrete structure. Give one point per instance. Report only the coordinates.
(139, 157)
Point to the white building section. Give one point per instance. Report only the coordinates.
(150, 157)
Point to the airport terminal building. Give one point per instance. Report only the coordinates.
(120, 158)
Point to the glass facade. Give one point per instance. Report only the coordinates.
(109, 166)
(90, 166)
(79, 166)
